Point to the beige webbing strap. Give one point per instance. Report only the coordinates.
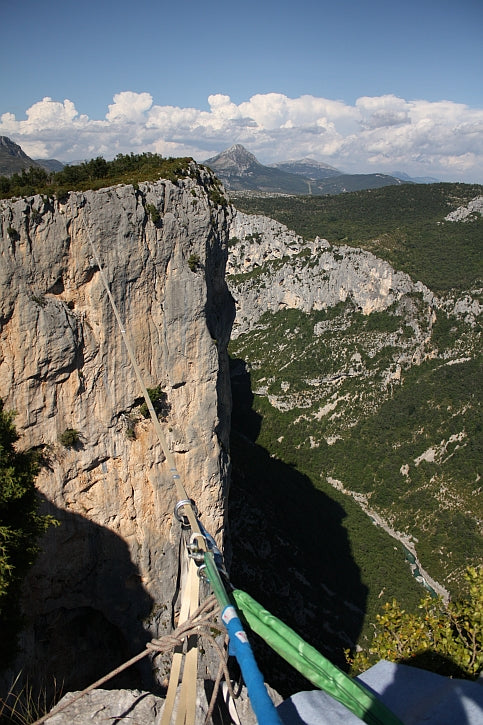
(187, 697)
(177, 659)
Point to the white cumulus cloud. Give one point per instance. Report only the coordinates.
(382, 133)
(382, 111)
(130, 107)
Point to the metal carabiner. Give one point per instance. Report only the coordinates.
(194, 537)
(183, 520)
(194, 550)
(202, 572)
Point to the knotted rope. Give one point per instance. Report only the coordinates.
(200, 622)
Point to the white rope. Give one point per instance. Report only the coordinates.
(180, 489)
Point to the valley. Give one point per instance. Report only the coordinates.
(366, 377)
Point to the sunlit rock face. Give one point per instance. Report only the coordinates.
(106, 579)
(271, 268)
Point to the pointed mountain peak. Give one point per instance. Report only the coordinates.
(235, 159)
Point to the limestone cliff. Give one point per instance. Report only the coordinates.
(271, 268)
(107, 575)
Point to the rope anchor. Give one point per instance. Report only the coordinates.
(184, 520)
(196, 552)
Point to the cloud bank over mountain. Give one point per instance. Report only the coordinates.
(442, 139)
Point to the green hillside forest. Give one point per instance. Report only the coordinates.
(401, 224)
(338, 439)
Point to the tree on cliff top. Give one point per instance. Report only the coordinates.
(20, 527)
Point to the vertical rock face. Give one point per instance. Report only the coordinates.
(107, 575)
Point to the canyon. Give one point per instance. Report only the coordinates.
(323, 336)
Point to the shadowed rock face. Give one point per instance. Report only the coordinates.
(12, 158)
(108, 573)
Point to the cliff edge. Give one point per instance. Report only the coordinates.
(106, 580)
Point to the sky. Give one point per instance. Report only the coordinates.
(365, 86)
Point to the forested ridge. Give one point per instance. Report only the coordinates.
(402, 224)
(98, 173)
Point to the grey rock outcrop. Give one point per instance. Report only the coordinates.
(100, 706)
(106, 580)
(467, 213)
(272, 268)
(256, 239)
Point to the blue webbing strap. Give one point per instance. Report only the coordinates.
(261, 703)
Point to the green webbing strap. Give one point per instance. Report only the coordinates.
(262, 705)
(312, 665)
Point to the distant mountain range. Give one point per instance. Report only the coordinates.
(415, 179)
(239, 170)
(313, 170)
(13, 159)
(52, 164)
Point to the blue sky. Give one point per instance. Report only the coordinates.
(285, 79)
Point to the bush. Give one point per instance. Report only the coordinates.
(154, 214)
(35, 216)
(193, 262)
(13, 234)
(69, 437)
(447, 639)
(216, 196)
(159, 399)
(130, 426)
